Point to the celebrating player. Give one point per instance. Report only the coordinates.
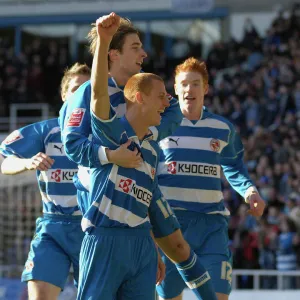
(58, 236)
(125, 57)
(189, 176)
(118, 257)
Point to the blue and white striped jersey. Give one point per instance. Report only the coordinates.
(75, 122)
(120, 197)
(189, 172)
(160, 214)
(56, 185)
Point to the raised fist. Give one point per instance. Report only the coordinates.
(107, 26)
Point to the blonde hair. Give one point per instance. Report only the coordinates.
(141, 82)
(76, 69)
(117, 42)
(193, 65)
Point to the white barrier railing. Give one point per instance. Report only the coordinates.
(9, 124)
(259, 273)
(15, 108)
(255, 273)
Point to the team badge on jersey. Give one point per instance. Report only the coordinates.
(14, 136)
(76, 117)
(215, 145)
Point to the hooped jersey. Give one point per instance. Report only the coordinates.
(56, 185)
(191, 162)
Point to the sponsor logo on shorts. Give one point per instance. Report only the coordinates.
(76, 117)
(29, 265)
(215, 145)
(14, 136)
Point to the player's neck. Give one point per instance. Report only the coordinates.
(137, 124)
(119, 77)
(192, 115)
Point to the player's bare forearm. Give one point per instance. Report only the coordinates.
(100, 99)
(13, 165)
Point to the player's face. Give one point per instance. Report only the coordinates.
(75, 82)
(155, 103)
(132, 56)
(190, 89)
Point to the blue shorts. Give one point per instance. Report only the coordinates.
(54, 248)
(117, 263)
(207, 234)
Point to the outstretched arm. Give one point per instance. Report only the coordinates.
(13, 165)
(237, 175)
(106, 28)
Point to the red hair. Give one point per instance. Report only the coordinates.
(193, 65)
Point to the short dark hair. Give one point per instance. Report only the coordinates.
(126, 27)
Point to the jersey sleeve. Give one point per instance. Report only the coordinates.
(233, 165)
(75, 123)
(170, 120)
(161, 215)
(25, 142)
(107, 132)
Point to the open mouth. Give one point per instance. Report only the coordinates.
(189, 98)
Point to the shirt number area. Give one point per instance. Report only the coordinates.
(164, 207)
(226, 271)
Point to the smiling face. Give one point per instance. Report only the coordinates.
(190, 89)
(129, 60)
(155, 103)
(147, 98)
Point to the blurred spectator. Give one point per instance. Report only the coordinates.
(33, 76)
(267, 236)
(286, 254)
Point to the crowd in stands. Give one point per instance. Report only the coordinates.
(255, 83)
(34, 75)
